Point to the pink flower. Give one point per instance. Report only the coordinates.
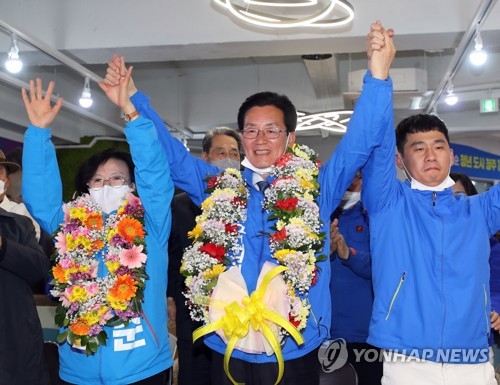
(61, 242)
(93, 288)
(133, 200)
(133, 258)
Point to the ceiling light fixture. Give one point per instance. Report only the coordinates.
(13, 63)
(478, 57)
(86, 99)
(290, 13)
(451, 99)
(335, 121)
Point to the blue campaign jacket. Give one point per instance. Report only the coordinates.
(430, 269)
(351, 284)
(141, 349)
(363, 135)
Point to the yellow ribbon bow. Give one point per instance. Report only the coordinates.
(254, 312)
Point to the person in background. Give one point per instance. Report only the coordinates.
(351, 281)
(221, 147)
(7, 168)
(111, 271)
(22, 264)
(463, 185)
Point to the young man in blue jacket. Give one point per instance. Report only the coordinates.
(430, 253)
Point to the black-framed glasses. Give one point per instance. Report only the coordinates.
(269, 133)
(114, 181)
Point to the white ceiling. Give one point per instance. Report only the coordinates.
(198, 64)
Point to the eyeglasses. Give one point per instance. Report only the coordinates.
(269, 133)
(114, 181)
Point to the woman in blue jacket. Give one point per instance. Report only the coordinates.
(113, 308)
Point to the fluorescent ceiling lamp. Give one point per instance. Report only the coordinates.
(284, 3)
(13, 63)
(335, 121)
(86, 99)
(323, 13)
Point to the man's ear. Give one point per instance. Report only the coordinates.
(452, 157)
(204, 156)
(399, 161)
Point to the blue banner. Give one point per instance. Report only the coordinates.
(475, 163)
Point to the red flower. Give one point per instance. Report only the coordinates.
(293, 320)
(238, 201)
(289, 204)
(229, 228)
(215, 251)
(315, 277)
(212, 182)
(279, 236)
(318, 163)
(284, 160)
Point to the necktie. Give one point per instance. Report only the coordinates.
(263, 185)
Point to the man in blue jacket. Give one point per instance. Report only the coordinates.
(267, 121)
(351, 283)
(430, 253)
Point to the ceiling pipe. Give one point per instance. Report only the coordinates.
(481, 14)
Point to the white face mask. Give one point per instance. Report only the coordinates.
(109, 198)
(416, 185)
(226, 163)
(350, 199)
(266, 170)
(2, 187)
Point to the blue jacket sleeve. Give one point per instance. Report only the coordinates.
(379, 174)
(41, 185)
(372, 117)
(360, 264)
(152, 176)
(490, 201)
(187, 171)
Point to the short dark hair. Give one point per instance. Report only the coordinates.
(88, 169)
(469, 187)
(206, 144)
(418, 123)
(262, 99)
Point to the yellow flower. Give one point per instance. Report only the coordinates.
(112, 233)
(70, 242)
(281, 254)
(305, 184)
(214, 272)
(116, 304)
(78, 213)
(78, 294)
(196, 232)
(297, 221)
(85, 242)
(280, 224)
(112, 267)
(93, 316)
(308, 196)
(207, 203)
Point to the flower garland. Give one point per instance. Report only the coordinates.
(88, 302)
(296, 238)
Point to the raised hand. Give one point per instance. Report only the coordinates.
(380, 50)
(114, 74)
(118, 93)
(40, 112)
